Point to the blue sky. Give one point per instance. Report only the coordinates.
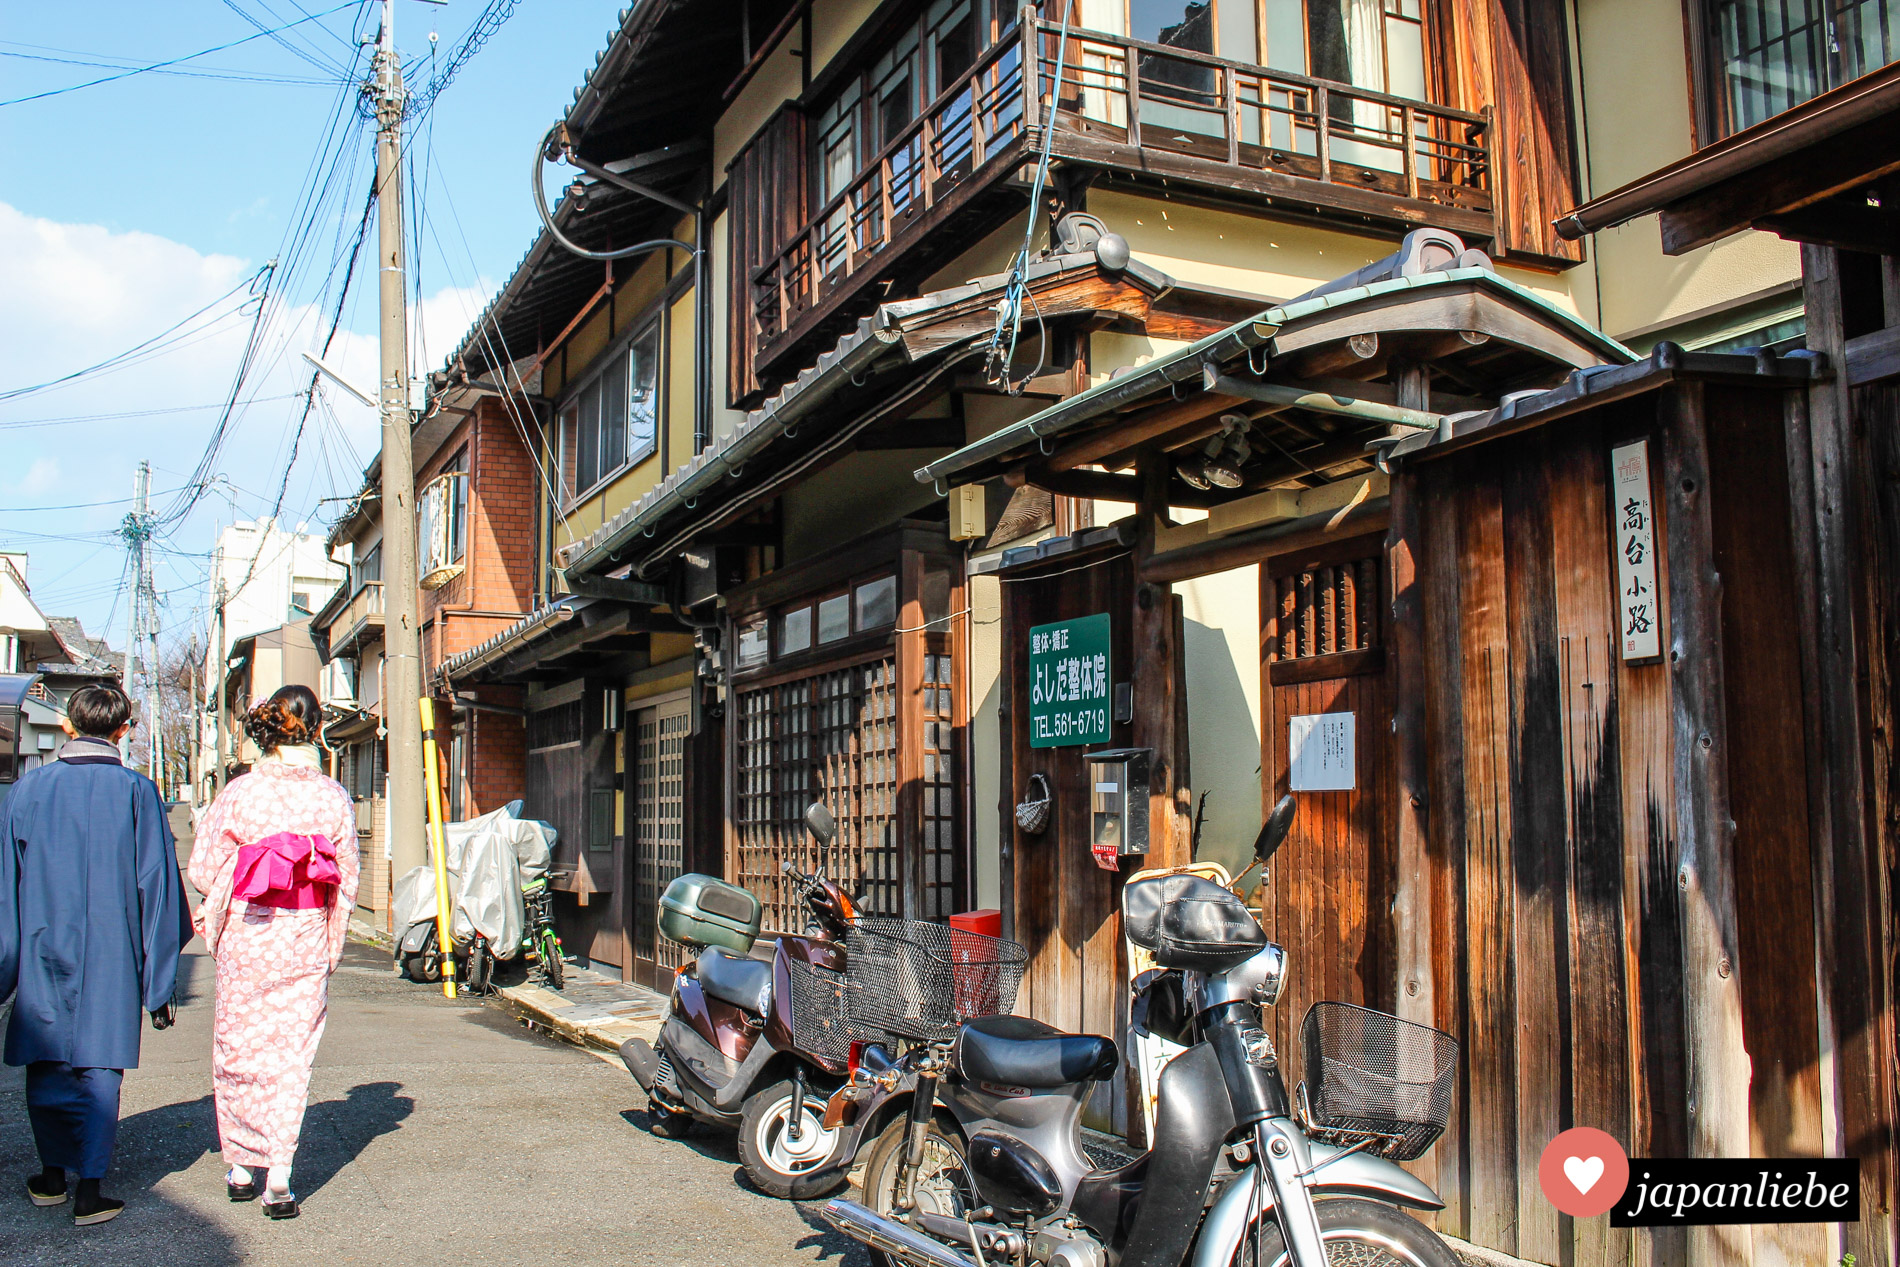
(131, 205)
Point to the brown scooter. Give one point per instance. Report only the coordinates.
(729, 1053)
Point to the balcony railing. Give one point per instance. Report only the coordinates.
(1128, 103)
(1256, 120)
(363, 615)
(969, 124)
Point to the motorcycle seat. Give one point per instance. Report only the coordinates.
(1018, 1051)
(736, 979)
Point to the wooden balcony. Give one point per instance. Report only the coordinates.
(1268, 140)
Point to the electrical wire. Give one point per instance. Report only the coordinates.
(65, 420)
(480, 31)
(236, 76)
(174, 61)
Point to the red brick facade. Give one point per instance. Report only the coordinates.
(495, 589)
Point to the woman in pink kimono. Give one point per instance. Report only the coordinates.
(276, 859)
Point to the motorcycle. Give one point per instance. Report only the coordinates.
(751, 1044)
(986, 1167)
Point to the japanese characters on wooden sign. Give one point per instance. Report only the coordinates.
(1634, 538)
(1320, 752)
(1070, 684)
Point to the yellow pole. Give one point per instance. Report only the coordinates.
(438, 845)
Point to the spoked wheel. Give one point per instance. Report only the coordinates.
(943, 1184)
(551, 965)
(1357, 1234)
(797, 1168)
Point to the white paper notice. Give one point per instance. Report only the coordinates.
(1320, 752)
(1633, 535)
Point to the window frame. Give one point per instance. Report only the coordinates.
(1711, 108)
(650, 323)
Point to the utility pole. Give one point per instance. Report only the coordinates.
(134, 530)
(402, 636)
(217, 732)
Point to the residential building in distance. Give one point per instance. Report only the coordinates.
(88, 660)
(261, 578)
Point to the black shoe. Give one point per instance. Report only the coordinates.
(285, 1209)
(47, 1188)
(90, 1207)
(242, 1191)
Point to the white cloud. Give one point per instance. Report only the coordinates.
(77, 294)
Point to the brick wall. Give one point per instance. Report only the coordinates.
(372, 890)
(498, 556)
(497, 756)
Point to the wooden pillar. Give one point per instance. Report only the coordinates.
(1718, 1067)
(1157, 672)
(1412, 881)
(910, 731)
(1828, 478)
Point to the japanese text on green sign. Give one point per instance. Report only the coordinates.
(1070, 683)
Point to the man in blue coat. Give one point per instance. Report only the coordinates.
(92, 920)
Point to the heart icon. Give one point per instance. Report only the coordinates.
(1583, 1172)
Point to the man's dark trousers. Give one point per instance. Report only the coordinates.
(75, 1115)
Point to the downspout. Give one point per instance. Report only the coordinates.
(702, 331)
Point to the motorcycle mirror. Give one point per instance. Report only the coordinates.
(819, 820)
(1273, 832)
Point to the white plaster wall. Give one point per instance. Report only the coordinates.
(986, 734)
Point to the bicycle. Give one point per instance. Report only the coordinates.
(541, 941)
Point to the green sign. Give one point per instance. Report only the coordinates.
(1070, 683)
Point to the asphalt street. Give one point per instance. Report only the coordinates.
(438, 1132)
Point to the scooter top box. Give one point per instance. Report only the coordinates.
(699, 910)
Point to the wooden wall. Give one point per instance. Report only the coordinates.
(1065, 910)
(1555, 952)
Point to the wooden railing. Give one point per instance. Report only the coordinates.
(1129, 91)
(1231, 122)
(968, 124)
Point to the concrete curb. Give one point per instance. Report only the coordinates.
(602, 1027)
(1479, 1256)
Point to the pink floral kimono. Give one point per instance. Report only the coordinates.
(286, 835)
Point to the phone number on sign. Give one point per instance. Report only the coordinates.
(1085, 721)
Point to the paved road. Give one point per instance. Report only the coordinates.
(438, 1132)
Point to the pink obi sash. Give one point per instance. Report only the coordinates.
(286, 870)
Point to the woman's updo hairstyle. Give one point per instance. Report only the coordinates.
(290, 716)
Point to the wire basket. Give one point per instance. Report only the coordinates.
(1032, 812)
(921, 980)
(821, 1015)
(1373, 1077)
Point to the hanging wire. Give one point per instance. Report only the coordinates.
(1009, 316)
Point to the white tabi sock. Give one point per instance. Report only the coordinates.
(241, 1176)
(277, 1183)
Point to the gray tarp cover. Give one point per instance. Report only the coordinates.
(489, 859)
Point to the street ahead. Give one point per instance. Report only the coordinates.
(438, 1132)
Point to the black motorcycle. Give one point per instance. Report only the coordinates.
(987, 1166)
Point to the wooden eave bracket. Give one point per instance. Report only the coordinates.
(583, 585)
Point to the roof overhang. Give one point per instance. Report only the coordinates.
(847, 390)
(1314, 364)
(1803, 174)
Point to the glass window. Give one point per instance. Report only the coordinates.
(643, 394)
(568, 463)
(834, 618)
(588, 464)
(458, 505)
(1238, 39)
(877, 602)
(612, 385)
(936, 595)
(1775, 54)
(753, 647)
(794, 631)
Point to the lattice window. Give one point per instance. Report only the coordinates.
(831, 736)
(659, 737)
(939, 790)
(1327, 610)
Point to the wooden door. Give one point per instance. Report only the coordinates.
(657, 738)
(1330, 887)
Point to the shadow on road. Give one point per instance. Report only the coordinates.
(335, 1132)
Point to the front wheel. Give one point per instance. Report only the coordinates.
(481, 967)
(943, 1185)
(1357, 1234)
(794, 1168)
(551, 965)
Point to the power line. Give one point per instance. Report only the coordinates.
(239, 76)
(69, 419)
(29, 510)
(141, 70)
(136, 350)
